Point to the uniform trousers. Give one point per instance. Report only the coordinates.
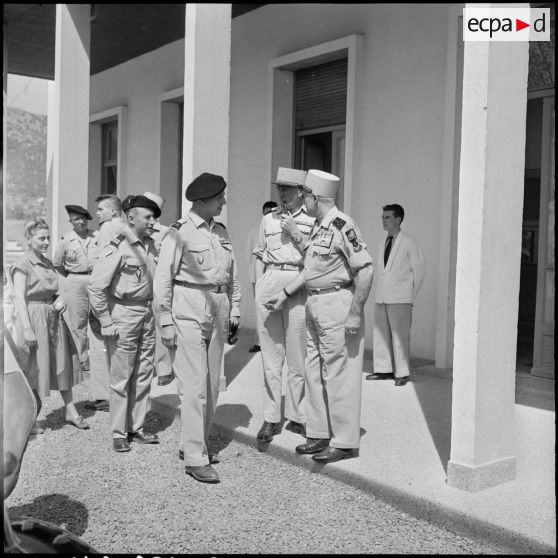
(392, 337)
(77, 311)
(131, 357)
(201, 320)
(99, 377)
(282, 334)
(162, 356)
(333, 370)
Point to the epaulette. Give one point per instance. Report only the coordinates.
(339, 223)
(178, 224)
(117, 239)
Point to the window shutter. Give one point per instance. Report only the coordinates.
(321, 95)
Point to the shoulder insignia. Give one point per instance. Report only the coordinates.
(339, 223)
(117, 239)
(108, 251)
(178, 224)
(352, 238)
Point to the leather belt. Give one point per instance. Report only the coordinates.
(130, 302)
(326, 290)
(210, 288)
(79, 273)
(284, 267)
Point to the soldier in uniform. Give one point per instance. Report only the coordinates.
(197, 297)
(280, 258)
(121, 293)
(73, 259)
(337, 276)
(163, 367)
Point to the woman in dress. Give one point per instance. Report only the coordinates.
(43, 341)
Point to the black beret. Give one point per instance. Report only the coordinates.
(141, 201)
(79, 210)
(206, 185)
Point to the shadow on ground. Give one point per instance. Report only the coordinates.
(57, 509)
(238, 356)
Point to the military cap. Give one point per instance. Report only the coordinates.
(206, 185)
(290, 177)
(159, 200)
(141, 201)
(322, 183)
(79, 210)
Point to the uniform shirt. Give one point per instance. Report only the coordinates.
(159, 233)
(194, 251)
(42, 279)
(124, 271)
(275, 245)
(110, 229)
(75, 254)
(335, 252)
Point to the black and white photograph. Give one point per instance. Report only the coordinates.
(279, 279)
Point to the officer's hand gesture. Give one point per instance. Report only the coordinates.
(352, 325)
(289, 226)
(168, 337)
(109, 332)
(275, 302)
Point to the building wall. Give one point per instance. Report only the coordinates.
(138, 84)
(399, 124)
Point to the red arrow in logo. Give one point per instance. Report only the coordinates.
(519, 25)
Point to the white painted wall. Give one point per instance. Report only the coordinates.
(399, 123)
(137, 84)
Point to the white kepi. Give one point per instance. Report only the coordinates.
(290, 177)
(322, 183)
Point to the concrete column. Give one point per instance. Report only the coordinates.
(488, 264)
(68, 116)
(207, 73)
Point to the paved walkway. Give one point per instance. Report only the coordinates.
(405, 448)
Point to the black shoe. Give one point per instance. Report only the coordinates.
(330, 455)
(143, 438)
(98, 405)
(313, 445)
(254, 349)
(165, 380)
(267, 431)
(375, 376)
(212, 458)
(205, 473)
(401, 381)
(296, 427)
(120, 444)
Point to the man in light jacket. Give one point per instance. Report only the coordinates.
(399, 277)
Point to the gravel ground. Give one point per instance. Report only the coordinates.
(143, 502)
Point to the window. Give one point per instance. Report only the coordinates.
(109, 157)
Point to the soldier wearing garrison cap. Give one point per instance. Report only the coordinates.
(282, 333)
(121, 293)
(337, 277)
(73, 259)
(197, 297)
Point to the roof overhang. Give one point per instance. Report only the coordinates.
(119, 32)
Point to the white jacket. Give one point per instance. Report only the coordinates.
(401, 279)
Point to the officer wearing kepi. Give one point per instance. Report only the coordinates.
(197, 297)
(280, 252)
(74, 259)
(337, 276)
(121, 293)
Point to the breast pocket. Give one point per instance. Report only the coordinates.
(71, 256)
(199, 256)
(133, 272)
(320, 258)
